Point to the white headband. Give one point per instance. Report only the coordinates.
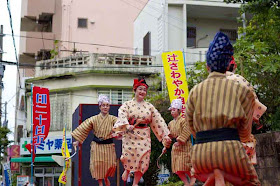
(176, 103)
(103, 98)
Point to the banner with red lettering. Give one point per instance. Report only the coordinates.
(41, 117)
(175, 75)
(14, 152)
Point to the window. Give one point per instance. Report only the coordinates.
(43, 55)
(147, 44)
(82, 23)
(60, 111)
(191, 37)
(46, 176)
(231, 33)
(117, 96)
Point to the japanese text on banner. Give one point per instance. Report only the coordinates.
(175, 75)
(41, 116)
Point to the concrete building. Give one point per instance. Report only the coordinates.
(74, 80)
(71, 31)
(63, 27)
(81, 26)
(189, 25)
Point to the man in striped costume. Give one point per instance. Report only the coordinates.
(219, 113)
(102, 154)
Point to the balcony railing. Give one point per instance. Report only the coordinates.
(95, 61)
(193, 55)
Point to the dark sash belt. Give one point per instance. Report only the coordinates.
(101, 141)
(142, 125)
(221, 134)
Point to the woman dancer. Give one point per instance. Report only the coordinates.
(135, 119)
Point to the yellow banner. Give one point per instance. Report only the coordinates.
(65, 153)
(175, 75)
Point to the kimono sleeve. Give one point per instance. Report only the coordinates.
(158, 125)
(189, 114)
(122, 120)
(81, 132)
(185, 133)
(245, 127)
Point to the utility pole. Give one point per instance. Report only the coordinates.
(5, 123)
(2, 68)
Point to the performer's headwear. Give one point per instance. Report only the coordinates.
(176, 103)
(219, 53)
(103, 98)
(232, 64)
(139, 82)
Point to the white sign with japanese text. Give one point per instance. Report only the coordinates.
(51, 145)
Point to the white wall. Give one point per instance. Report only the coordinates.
(209, 27)
(174, 37)
(149, 20)
(175, 28)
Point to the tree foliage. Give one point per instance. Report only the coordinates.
(4, 141)
(257, 53)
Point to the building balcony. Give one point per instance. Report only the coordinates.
(115, 63)
(31, 43)
(192, 55)
(37, 8)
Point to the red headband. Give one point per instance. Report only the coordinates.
(139, 83)
(233, 62)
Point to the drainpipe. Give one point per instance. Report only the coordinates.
(204, 37)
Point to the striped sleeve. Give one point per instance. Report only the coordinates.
(189, 114)
(245, 127)
(185, 133)
(81, 132)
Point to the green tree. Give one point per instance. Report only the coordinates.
(4, 141)
(54, 52)
(257, 53)
(196, 74)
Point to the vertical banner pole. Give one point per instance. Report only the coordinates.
(32, 145)
(65, 144)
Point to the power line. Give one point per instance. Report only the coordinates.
(58, 66)
(12, 29)
(82, 43)
(12, 97)
(151, 15)
(161, 11)
(93, 67)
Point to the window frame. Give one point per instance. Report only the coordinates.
(79, 19)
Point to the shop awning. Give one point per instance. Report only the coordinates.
(28, 159)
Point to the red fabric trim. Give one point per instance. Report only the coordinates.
(138, 83)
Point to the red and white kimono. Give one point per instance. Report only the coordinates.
(136, 144)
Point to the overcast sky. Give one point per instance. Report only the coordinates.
(10, 74)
